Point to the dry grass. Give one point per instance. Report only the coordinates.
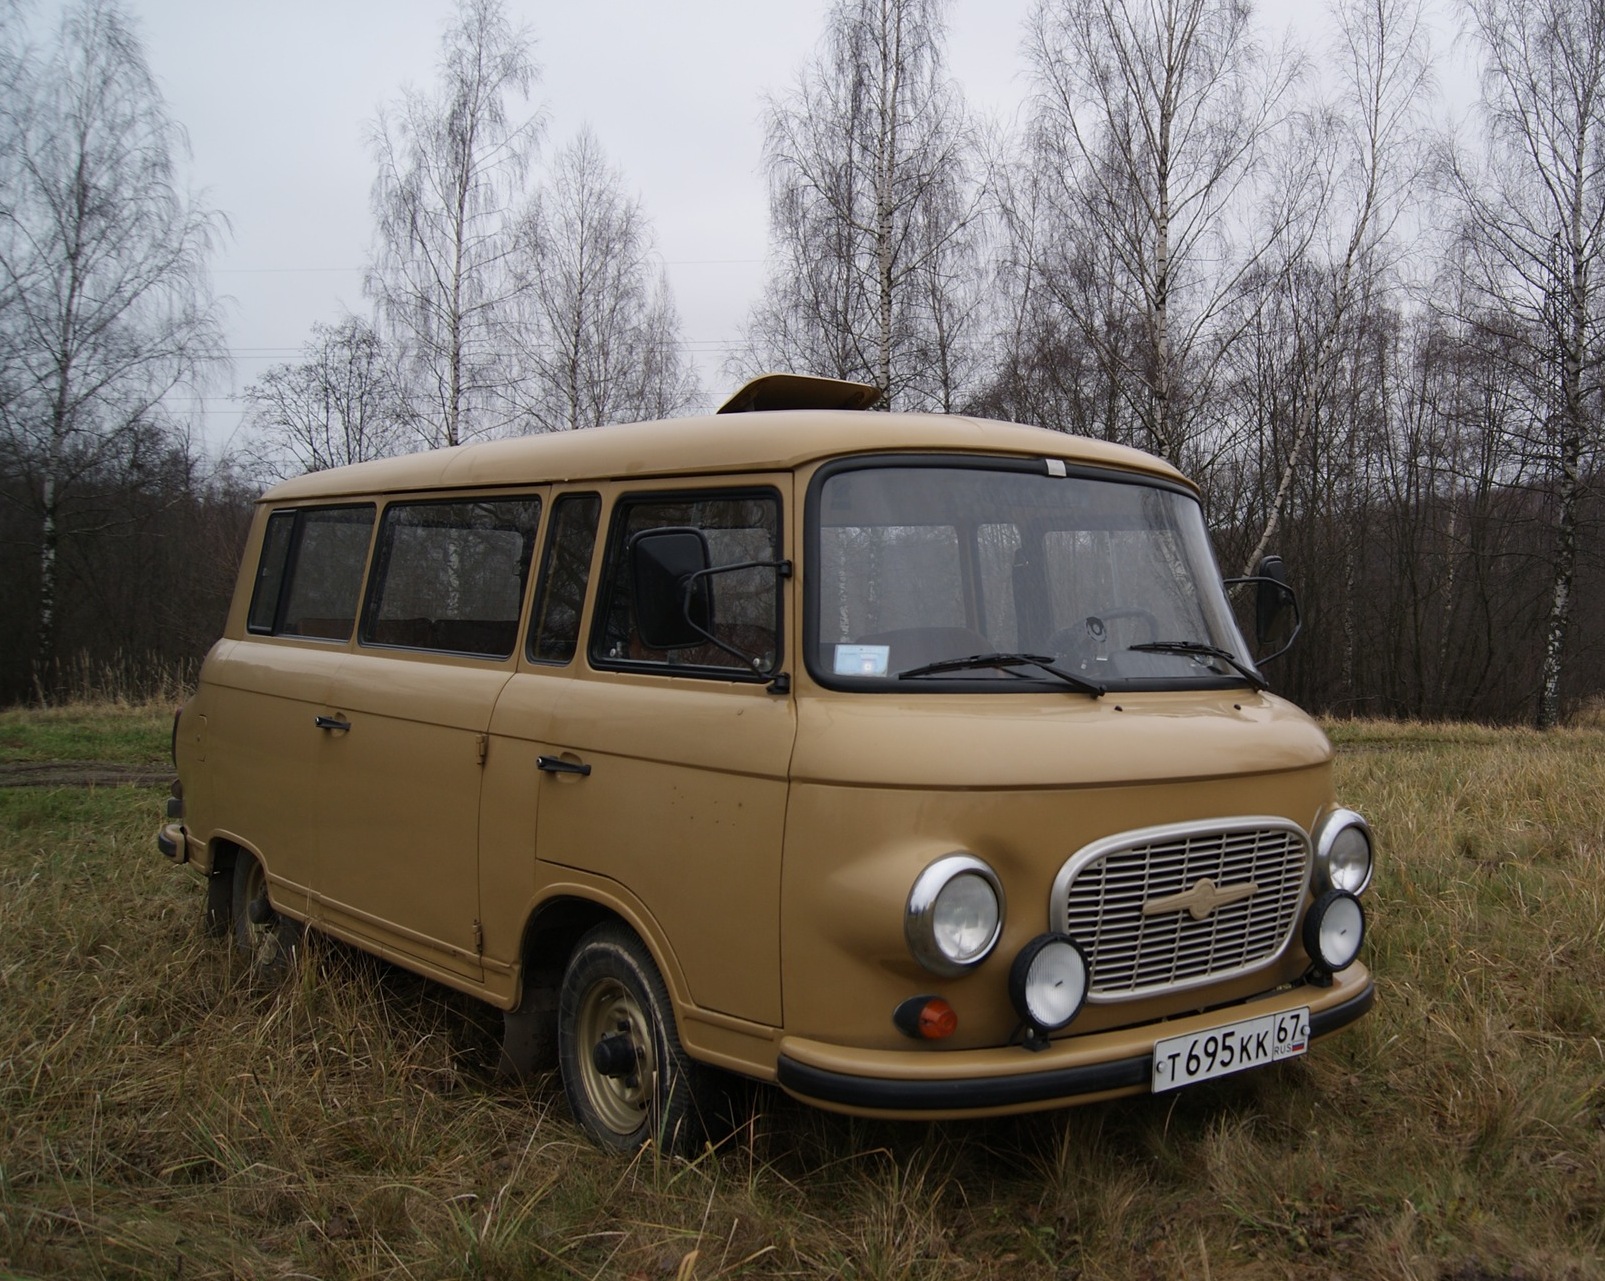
(123, 678)
(160, 1118)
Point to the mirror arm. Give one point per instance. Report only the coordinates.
(688, 584)
(1292, 599)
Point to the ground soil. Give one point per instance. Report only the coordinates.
(82, 774)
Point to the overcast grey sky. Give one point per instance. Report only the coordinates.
(278, 98)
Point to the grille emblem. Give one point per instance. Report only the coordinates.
(1201, 900)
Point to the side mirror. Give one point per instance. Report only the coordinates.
(672, 596)
(1272, 597)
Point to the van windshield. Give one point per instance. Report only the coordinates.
(1105, 577)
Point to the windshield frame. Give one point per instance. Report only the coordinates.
(1019, 679)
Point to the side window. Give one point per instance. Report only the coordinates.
(554, 631)
(270, 573)
(310, 573)
(450, 576)
(739, 528)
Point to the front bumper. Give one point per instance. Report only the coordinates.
(932, 1085)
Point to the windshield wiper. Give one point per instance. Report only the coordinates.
(1006, 662)
(1202, 650)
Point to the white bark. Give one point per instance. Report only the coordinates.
(1364, 142)
(1151, 128)
(1536, 218)
(595, 337)
(105, 305)
(873, 210)
(451, 170)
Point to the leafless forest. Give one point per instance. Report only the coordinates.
(1375, 342)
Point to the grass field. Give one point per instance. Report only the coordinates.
(161, 1118)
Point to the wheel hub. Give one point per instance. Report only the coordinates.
(619, 1070)
(614, 1055)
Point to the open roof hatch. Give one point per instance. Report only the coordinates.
(800, 391)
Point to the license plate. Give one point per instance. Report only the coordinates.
(1232, 1047)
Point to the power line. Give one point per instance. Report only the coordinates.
(285, 271)
(696, 346)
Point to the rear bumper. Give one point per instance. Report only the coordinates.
(172, 842)
(930, 1084)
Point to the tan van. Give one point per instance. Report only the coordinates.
(913, 763)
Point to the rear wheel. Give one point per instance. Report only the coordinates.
(219, 918)
(626, 1077)
(267, 941)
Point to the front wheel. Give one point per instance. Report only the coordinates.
(266, 941)
(626, 1077)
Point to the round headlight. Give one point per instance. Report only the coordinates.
(1343, 852)
(1048, 981)
(954, 915)
(1334, 930)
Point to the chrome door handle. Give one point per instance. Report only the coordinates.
(557, 765)
(330, 722)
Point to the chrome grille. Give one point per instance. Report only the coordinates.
(1100, 893)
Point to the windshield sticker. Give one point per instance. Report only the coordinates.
(862, 660)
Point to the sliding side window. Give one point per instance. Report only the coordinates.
(739, 529)
(554, 633)
(450, 576)
(308, 579)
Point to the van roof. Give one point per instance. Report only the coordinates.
(778, 440)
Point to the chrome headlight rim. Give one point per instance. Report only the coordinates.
(1333, 824)
(1315, 921)
(919, 917)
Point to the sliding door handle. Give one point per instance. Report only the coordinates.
(557, 765)
(331, 722)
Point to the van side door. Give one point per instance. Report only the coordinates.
(666, 774)
(398, 850)
(521, 729)
(265, 692)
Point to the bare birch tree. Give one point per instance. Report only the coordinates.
(1152, 122)
(105, 306)
(874, 208)
(451, 169)
(339, 404)
(1360, 148)
(596, 338)
(1535, 213)
(1057, 367)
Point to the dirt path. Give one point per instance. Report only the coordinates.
(83, 774)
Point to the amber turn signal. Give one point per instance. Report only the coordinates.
(926, 1018)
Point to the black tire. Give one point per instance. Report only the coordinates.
(266, 941)
(627, 1079)
(219, 918)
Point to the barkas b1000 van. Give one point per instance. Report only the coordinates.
(913, 763)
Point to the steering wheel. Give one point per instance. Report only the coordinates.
(1091, 634)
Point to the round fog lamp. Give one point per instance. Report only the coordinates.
(1334, 930)
(1048, 981)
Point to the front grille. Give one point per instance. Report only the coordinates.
(1101, 891)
